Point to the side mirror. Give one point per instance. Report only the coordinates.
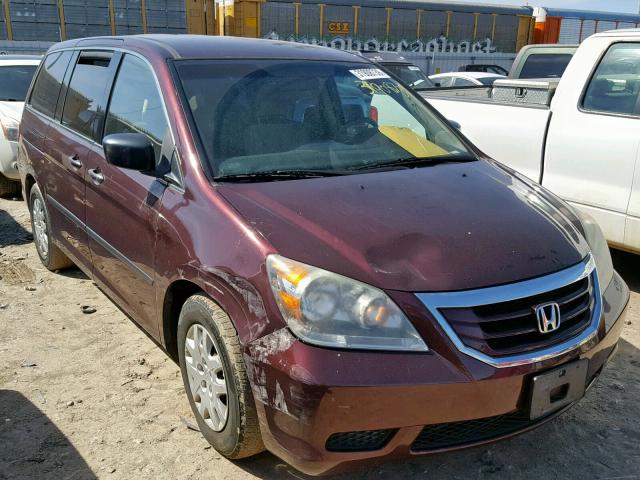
(129, 150)
(455, 124)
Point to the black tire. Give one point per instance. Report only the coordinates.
(50, 255)
(240, 437)
(9, 188)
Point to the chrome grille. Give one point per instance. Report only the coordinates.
(492, 324)
(511, 327)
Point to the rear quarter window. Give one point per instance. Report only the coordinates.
(46, 89)
(85, 101)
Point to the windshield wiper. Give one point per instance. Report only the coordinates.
(278, 175)
(418, 162)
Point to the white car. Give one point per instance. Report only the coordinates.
(577, 135)
(465, 79)
(16, 73)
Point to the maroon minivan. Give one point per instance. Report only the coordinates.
(340, 274)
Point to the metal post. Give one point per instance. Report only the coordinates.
(63, 26)
(581, 27)
(493, 27)
(321, 5)
(449, 13)
(143, 15)
(296, 6)
(258, 19)
(419, 15)
(475, 25)
(7, 20)
(112, 17)
(388, 9)
(356, 11)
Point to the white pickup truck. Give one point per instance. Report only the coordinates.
(583, 144)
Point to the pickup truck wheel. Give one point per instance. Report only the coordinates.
(215, 378)
(9, 188)
(49, 253)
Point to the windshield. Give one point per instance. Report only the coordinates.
(411, 75)
(15, 81)
(256, 116)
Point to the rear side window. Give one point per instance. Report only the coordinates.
(615, 85)
(86, 97)
(46, 90)
(136, 105)
(545, 65)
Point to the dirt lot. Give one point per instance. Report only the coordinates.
(89, 395)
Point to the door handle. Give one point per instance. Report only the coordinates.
(96, 176)
(75, 162)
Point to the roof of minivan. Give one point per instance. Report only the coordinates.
(215, 47)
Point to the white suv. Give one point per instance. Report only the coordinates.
(16, 73)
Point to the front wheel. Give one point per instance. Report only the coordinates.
(215, 379)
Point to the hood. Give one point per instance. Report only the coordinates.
(12, 110)
(439, 228)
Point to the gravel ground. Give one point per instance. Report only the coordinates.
(90, 396)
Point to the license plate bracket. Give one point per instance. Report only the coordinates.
(557, 388)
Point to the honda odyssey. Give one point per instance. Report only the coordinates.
(341, 276)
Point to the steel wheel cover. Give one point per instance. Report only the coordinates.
(207, 378)
(40, 228)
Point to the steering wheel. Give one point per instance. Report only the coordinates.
(357, 131)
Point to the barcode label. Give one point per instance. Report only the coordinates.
(369, 73)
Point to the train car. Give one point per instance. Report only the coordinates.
(554, 25)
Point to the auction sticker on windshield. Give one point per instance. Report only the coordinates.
(369, 73)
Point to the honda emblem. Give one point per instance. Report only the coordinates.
(548, 316)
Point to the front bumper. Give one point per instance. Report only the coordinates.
(305, 394)
(8, 158)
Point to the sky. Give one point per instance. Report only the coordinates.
(626, 6)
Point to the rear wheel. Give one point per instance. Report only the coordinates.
(215, 379)
(9, 188)
(51, 256)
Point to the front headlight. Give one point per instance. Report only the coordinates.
(11, 128)
(599, 248)
(327, 309)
